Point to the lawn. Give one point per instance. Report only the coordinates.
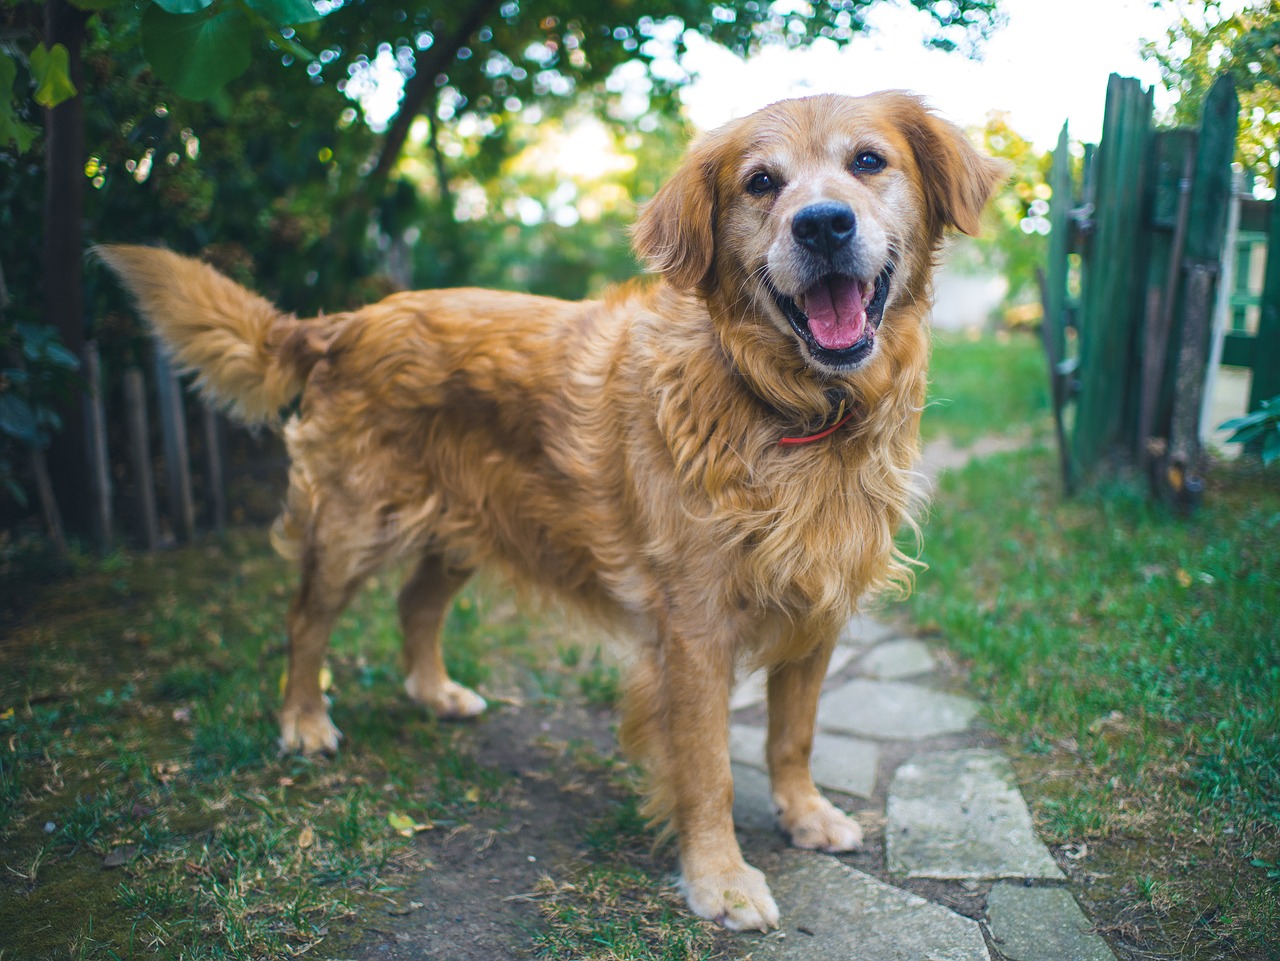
(1132, 660)
(1128, 657)
(144, 808)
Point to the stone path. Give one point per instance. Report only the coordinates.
(952, 869)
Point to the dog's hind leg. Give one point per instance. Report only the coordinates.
(328, 584)
(803, 813)
(424, 601)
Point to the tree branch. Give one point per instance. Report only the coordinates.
(420, 88)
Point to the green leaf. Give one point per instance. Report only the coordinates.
(12, 130)
(52, 71)
(18, 420)
(179, 7)
(1271, 448)
(286, 12)
(1248, 420)
(197, 53)
(1250, 432)
(14, 488)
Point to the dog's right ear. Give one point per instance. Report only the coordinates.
(675, 234)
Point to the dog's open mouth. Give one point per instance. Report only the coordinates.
(837, 318)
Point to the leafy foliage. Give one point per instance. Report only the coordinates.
(36, 381)
(1261, 426)
(1016, 241)
(1244, 43)
(246, 130)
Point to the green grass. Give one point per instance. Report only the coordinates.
(138, 703)
(137, 725)
(985, 386)
(1135, 658)
(615, 905)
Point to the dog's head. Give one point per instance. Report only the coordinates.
(821, 214)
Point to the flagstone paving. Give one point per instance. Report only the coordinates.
(958, 814)
(946, 820)
(1041, 924)
(894, 660)
(894, 710)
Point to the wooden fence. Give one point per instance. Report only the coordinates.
(178, 462)
(1135, 257)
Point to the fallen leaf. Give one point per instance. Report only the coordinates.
(1183, 578)
(472, 796)
(406, 826)
(402, 824)
(306, 837)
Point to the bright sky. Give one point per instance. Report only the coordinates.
(1049, 64)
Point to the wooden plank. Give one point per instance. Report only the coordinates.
(1175, 165)
(1266, 354)
(96, 439)
(48, 502)
(213, 458)
(135, 400)
(1060, 223)
(1180, 479)
(1113, 277)
(1238, 350)
(1255, 215)
(173, 432)
(1214, 152)
(1132, 300)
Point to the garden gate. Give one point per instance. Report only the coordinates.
(1129, 292)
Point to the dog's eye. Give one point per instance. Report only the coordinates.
(868, 163)
(761, 183)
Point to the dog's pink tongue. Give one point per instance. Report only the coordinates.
(837, 315)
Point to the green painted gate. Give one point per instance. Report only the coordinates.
(1130, 284)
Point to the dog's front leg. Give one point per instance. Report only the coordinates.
(803, 813)
(716, 881)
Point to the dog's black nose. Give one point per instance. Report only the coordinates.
(824, 228)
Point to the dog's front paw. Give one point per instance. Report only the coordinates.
(308, 731)
(449, 700)
(739, 899)
(818, 825)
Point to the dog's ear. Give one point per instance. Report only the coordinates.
(675, 233)
(958, 180)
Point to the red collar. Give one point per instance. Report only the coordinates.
(840, 422)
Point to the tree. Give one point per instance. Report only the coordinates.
(237, 128)
(1016, 245)
(1245, 44)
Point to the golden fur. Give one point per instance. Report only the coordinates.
(624, 454)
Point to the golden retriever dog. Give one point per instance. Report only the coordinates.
(717, 460)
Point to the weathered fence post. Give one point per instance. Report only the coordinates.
(173, 432)
(1179, 479)
(213, 450)
(96, 438)
(135, 399)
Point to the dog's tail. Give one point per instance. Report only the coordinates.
(249, 357)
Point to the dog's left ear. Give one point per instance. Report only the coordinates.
(674, 235)
(958, 179)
